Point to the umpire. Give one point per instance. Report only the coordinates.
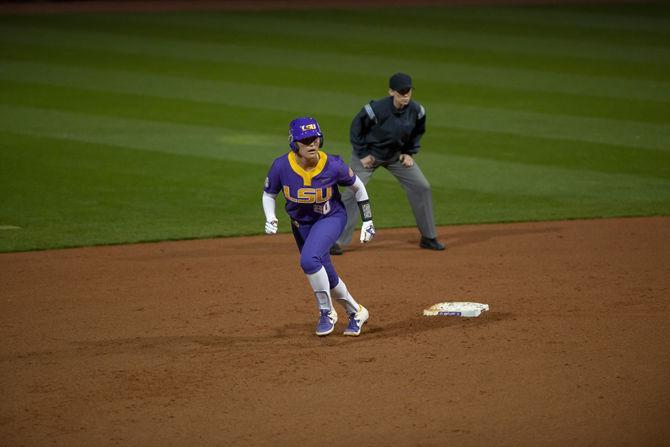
(386, 133)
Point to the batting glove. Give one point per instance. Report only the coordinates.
(367, 231)
(271, 226)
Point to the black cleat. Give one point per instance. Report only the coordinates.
(430, 244)
(336, 249)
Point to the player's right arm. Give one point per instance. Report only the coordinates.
(270, 191)
(269, 205)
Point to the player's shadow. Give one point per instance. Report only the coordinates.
(420, 324)
(302, 334)
(299, 335)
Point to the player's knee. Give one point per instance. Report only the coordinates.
(310, 263)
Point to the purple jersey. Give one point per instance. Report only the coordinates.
(310, 195)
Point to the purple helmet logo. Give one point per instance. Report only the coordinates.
(301, 129)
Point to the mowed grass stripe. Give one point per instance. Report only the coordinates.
(469, 190)
(495, 176)
(446, 140)
(294, 100)
(139, 192)
(225, 40)
(209, 27)
(244, 120)
(553, 126)
(610, 23)
(175, 195)
(65, 193)
(472, 94)
(488, 175)
(538, 41)
(653, 68)
(549, 152)
(610, 82)
(166, 137)
(628, 26)
(288, 101)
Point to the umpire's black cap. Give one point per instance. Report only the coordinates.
(400, 82)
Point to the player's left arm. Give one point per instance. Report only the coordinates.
(347, 178)
(363, 201)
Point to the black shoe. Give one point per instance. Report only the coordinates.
(336, 249)
(431, 244)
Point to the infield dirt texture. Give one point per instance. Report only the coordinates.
(211, 342)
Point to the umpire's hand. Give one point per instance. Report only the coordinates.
(406, 160)
(368, 161)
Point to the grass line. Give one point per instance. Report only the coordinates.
(538, 75)
(294, 100)
(207, 28)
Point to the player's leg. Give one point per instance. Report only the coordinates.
(315, 262)
(358, 314)
(318, 280)
(314, 253)
(338, 289)
(420, 198)
(300, 233)
(349, 201)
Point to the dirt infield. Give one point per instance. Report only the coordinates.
(211, 342)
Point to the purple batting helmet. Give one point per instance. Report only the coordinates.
(301, 129)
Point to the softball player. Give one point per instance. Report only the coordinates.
(309, 179)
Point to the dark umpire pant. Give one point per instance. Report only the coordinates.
(412, 181)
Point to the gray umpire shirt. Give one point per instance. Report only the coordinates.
(382, 131)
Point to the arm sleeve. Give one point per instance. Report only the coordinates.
(359, 190)
(362, 199)
(269, 205)
(413, 144)
(358, 131)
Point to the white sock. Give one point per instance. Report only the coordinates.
(321, 288)
(342, 295)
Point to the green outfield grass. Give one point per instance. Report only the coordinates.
(132, 127)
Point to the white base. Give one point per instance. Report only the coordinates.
(456, 309)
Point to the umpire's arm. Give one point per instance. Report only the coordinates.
(360, 127)
(413, 144)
